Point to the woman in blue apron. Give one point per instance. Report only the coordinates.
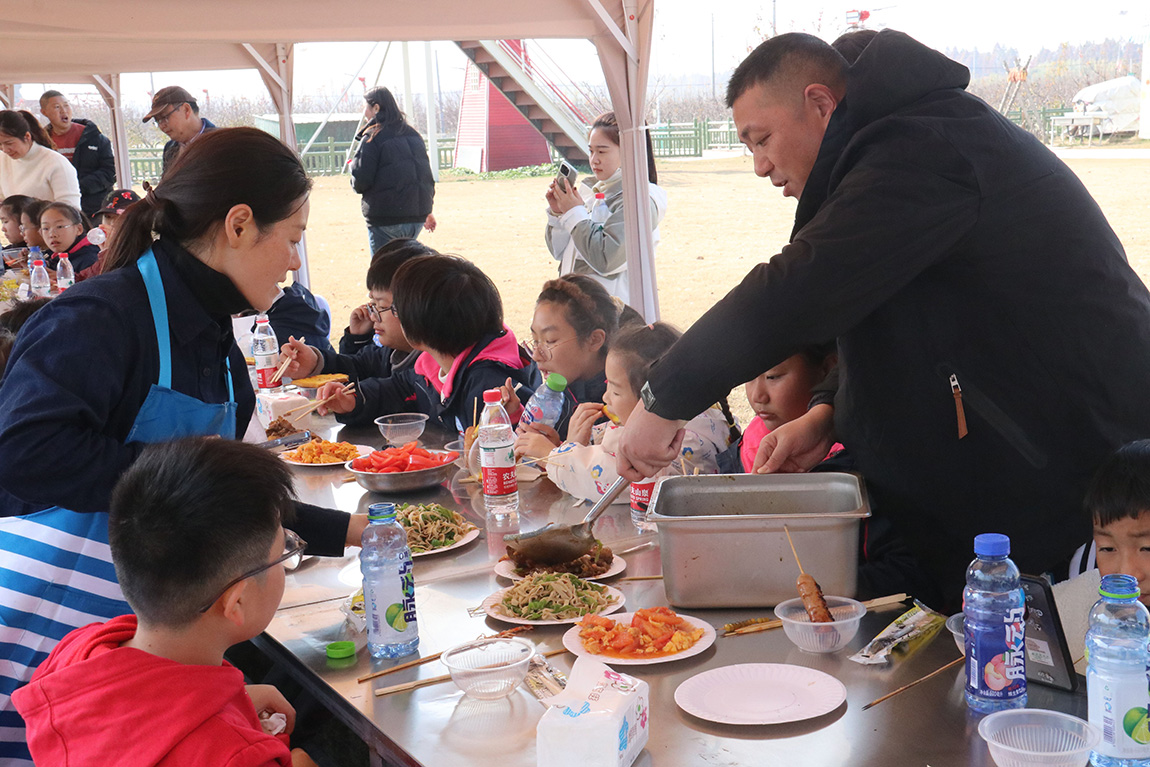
(142, 354)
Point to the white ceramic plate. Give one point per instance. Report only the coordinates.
(491, 601)
(363, 450)
(466, 539)
(573, 643)
(760, 693)
(505, 568)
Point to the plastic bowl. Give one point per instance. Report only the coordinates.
(403, 481)
(489, 669)
(457, 446)
(821, 637)
(401, 428)
(955, 624)
(1025, 737)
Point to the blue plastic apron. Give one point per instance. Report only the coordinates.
(56, 570)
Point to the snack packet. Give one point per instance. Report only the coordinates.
(915, 625)
(356, 614)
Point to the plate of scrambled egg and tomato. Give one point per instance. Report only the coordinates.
(650, 635)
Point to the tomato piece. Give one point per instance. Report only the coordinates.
(421, 452)
(361, 464)
(448, 457)
(419, 462)
(389, 470)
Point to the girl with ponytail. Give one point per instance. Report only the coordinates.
(30, 164)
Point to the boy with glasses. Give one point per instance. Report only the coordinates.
(197, 539)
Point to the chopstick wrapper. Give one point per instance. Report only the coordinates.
(600, 717)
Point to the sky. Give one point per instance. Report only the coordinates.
(682, 45)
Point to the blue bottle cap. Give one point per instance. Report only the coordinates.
(1119, 586)
(381, 511)
(991, 545)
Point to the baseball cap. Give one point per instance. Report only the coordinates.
(118, 201)
(166, 97)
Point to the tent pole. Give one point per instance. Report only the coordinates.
(407, 98)
(109, 88)
(335, 104)
(432, 127)
(7, 95)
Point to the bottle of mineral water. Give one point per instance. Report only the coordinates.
(1116, 662)
(388, 585)
(995, 605)
(546, 404)
(600, 212)
(39, 283)
(497, 458)
(65, 275)
(266, 352)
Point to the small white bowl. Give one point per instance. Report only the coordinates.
(401, 428)
(956, 625)
(1032, 737)
(489, 669)
(821, 637)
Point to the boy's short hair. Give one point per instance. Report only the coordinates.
(390, 257)
(446, 303)
(190, 515)
(1120, 489)
(14, 318)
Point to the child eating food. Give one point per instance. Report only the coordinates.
(584, 465)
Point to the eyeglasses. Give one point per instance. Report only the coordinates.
(541, 350)
(57, 228)
(163, 119)
(293, 547)
(376, 312)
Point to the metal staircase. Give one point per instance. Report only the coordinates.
(534, 92)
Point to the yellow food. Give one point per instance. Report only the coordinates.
(314, 382)
(653, 632)
(322, 451)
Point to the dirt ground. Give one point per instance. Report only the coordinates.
(721, 221)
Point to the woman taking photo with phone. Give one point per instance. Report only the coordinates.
(582, 245)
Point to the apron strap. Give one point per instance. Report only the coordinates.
(150, 271)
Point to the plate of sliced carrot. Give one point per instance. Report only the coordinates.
(397, 469)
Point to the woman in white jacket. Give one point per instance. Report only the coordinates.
(30, 164)
(582, 247)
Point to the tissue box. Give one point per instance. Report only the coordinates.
(599, 720)
(271, 406)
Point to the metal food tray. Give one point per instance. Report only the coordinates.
(723, 543)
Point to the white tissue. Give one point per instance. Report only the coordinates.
(273, 724)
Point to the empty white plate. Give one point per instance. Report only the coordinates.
(760, 693)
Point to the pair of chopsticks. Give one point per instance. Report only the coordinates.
(430, 658)
(755, 625)
(284, 365)
(313, 406)
(437, 679)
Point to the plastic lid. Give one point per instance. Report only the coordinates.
(381, 511)
(37, 262)
(600, 196)
(492, 395)
(1119, 587)
(991, 545)
(261, 317)
(34, 249)
(342, 649)
(556, 382)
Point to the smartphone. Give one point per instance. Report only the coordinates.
(1048, 658)
(567, 172)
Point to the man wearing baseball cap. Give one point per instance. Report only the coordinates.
(178, 115)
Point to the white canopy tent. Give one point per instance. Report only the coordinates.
(94, 41)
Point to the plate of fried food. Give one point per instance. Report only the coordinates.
(650, 635)
(597, 564)
(320, 452)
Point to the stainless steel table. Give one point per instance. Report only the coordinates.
(437, 725)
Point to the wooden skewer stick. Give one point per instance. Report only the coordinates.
(756, 625)
(641, 578)
(430, 658)
(797, 562)
(906, 687)
(347, 389)
(437, 679)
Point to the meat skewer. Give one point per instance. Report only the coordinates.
(809, 590)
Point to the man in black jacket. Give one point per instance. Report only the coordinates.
(81, 142)
(994, 343)
(177, 115)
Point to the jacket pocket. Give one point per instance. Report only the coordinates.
(966, 393)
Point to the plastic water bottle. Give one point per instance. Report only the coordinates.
(994, 605)
(600, 212)
(640, 504)
(266, 351)
(497, 458)
(40, 283)
(546, 404)
(1116, 662)
(97, 236)
(388, 585)
(65, 276)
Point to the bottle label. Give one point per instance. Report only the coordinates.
(390, 607)
(266, 365)
(641, 496)
(497, 469)
(996, 657)
(1118, 706)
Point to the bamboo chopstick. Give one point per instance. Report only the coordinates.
(347, 389)
(766, 624)
(641, 578)
(437, 679)
(284, 365)
(920, 680)
(430, 658)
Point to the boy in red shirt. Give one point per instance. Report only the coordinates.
(197, 540)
